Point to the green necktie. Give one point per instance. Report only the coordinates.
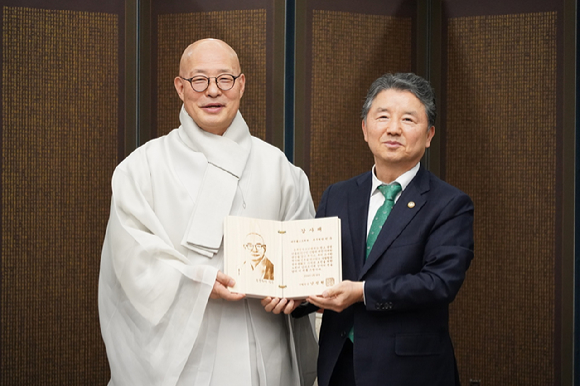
(390, 192)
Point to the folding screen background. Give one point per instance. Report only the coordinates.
(62, 71)
(504, 136)
(255, 29)
(341, 47)
(503, 119)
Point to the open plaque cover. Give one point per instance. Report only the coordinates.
(284, 259)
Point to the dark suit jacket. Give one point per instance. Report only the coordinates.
(415, 269)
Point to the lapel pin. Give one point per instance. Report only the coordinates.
(411, 204)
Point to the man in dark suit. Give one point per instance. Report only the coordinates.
(387, 323)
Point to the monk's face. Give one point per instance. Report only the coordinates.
(213, 109)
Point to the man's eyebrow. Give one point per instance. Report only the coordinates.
(407, 112)
(412, 112)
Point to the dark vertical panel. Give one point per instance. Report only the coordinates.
(429, 43)
(137, 117)
(577, 219)
(131, 119)
(576, 357)
(502, 144)
(344, 47)
(289, 98)
(61, 138)
(250, 28)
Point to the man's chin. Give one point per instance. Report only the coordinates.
(214, 127)
(215, 124)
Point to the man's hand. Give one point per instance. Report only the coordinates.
(220, 288)
(339, 297)
(276, 305)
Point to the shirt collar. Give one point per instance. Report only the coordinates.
(404, 179)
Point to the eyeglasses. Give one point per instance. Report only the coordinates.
(200, 83)
(250, 246)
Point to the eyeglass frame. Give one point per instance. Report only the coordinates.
(252, 246)
(209, 78)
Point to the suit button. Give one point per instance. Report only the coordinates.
(343, 334)
(379, 306)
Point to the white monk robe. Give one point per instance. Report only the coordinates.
(162, 251)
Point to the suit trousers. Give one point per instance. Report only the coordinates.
(343, 373)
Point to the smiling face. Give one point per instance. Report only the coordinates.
(397, 131)
(213, 110)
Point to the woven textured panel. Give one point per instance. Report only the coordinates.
(501, 149)
(59, 147)
(349, 51)
(245, 31)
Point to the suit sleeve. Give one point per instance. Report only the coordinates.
(442, 256)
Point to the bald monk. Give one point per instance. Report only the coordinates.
(166, 311)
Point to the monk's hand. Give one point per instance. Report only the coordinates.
(220, 288)
(277, 305)
(340, 296)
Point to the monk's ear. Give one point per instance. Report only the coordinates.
(242, 82)
(179, 87)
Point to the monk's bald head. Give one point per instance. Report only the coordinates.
(214, 108)
(205, 47)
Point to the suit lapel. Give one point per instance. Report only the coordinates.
(358, 207)
(408, 205)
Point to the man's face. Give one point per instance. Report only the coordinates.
(255, 246)
(213, 110)
(396, 130)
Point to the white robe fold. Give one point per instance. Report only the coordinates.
(158, 269)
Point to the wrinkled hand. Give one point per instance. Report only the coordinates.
(340, 296)
(220, 288)
(276, 305)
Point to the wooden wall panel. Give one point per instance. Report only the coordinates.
(60, 142)
(502, 129)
